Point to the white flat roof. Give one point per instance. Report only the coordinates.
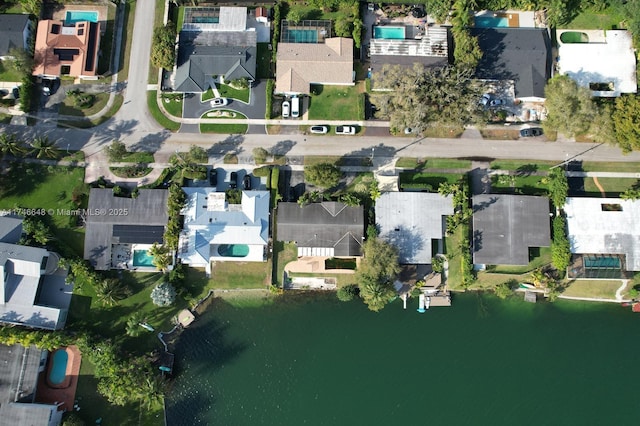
(610, 60)
(594, 228)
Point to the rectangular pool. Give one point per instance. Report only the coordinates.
(142, 258)
(74, 16)
(301, 36)
(491, 22)
(602, 262)
(389, 33)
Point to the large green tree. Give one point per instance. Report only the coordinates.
(163, 52)
(560, 249)
(558, 187)
(570, 109)
(626, 116)
(324, 175)
(376, 273)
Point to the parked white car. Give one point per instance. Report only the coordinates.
(345, 130)
(319, 130)
(219, 102)
(286, 108)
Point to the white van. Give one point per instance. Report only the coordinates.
(285, 109)
(295, 107)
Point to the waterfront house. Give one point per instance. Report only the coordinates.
(34, 292)
(215, 44)
(66, 49)
(602, 61)
(15, 31)
(326, 229)
(120, 230)
(604, 236)
(506, 227)
(412, 222)
(518, 55)
(215, 230)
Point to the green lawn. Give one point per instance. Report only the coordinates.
(68, 108)
(360, 184)
(524, 185)
(85, 124)
(137, 157)
(524, 165)
(283, 253)
(432, 163)
(158, 115)
(539, 257)
(612, 186)
(443, 132)
(591, 166)
(427, 181)
(234, 275)
(125, 51)
(263, 66)
(334, 103)
(452, 251)
(47, 187)
(239, 128)
(172, 104)
(605, 289)
(604, 20)
(317, 159)
(227, 91)
(7, 72)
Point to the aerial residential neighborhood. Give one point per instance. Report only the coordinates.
(164, 164)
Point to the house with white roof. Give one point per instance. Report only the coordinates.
(604, 233)
(33, 288)
(215, 230)
(603, 61)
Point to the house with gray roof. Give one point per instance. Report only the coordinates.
(521, 55)
(117, 222)
(598, 227)
(505, 227)
(33, 287)
(216, 231)
(411, 222)
(19, 370)
(15, 31)
(215, 43)
(325, 229)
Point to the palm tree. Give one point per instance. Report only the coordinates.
(43, 147)
(161, 256)
(11, 145)
(133, 324)
(375, 294)
(110, 291)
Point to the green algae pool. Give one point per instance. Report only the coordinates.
(311, 360)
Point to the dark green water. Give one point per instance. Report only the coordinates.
(311, 360)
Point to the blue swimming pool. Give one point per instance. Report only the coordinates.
(389, 33)
(233, 250)
(58, 368)
(491, 22)
(301, 36)
(142, 258)
(602, 262)
(74, 16)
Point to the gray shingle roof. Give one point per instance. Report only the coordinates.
(11, 32)
(146, 212)
(410, 220)
(519, 54)
(10, 229)
(505, 226)
(329, 225)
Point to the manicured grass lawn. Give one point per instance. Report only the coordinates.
(7, 72)
(172, 105)
(426, 181)
(605, 289)
(452, 251)
(500, 134)
(334, 103)
(443, 132)
(233, 275)
(68, 108)
(180, 19)
(284, 253)
(47, 187)
(227, 91)
(230, 129)
(360, 184)
(432, 163)
(137, 157)
(525, 185)
(85, 124)
(590, 166)
(524, 165)
(158, 115)
(539, 257)
(263, 65)
(125, 53)
(317, 159)
(339, 263)
(603, 20)
(612, 186)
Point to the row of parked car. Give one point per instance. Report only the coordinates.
(291, 108)
(233, 180)
(340, 130)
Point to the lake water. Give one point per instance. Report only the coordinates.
(311, 360)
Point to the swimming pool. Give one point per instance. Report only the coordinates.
(389, 33)
(74, 16)
(233, 250)
(205, 19)
(602, 262)
(574, 37)
(142, 258)
(301, 36)
(58, 368)
(491, 22)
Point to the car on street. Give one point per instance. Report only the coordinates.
(485, 99)
(47, 86)
(246, 182)
(319, 130)
(233, 182)
(213, 177)
(286, 108)
(496, 102)
(531, 132)
(219, 102)
(345, 130)
(16, 93)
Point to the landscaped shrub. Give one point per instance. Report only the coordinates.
(27, 94)
(233, 196)
(80, 99)
(260, 155)
(268, 111)
(133, 171)
(163, 294)
(348, 292)
(263, 171)
(505, 289)
(196, 172)
(116, 151)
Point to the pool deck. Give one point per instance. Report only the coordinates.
(60, 14)
(65, 397)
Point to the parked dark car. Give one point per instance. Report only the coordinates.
(233, 183)
(16, 93)
(531, 132)
(213, 177)
(48, 86)
(246, 182)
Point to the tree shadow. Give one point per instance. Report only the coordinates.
(407, 242)
(365, 156)
(185, 407)
(282, 147)
(576, 184)
(151, 142)
(22, 178)
(477, 207)
(231, 144)
(526, 170)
